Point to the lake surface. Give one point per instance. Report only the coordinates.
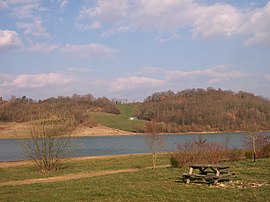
(10, 149)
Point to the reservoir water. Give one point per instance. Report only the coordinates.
(10, 149)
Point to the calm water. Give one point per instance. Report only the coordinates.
(10, 149)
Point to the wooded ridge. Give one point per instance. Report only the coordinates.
(200, 110)
(191, 110)
(76, 107)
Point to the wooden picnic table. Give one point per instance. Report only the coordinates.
(213, 172)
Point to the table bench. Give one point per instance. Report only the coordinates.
(217, 172)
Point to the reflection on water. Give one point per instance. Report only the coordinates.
(10, 149)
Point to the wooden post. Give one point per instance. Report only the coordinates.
(189, 172)
(254, 148)
(217, 174)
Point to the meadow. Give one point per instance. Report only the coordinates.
(121, 121)
(252, 182)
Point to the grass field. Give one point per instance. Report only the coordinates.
(252, 183)
(120, 121)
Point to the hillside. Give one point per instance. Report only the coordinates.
(193, 110)
(206, 110)
(121, 121)
(92, 117)
(77, 108)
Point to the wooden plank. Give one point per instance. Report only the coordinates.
(198, 166)
(193, 175)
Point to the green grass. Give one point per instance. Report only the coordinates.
(145, 185)
(120, 121)
(70, 167)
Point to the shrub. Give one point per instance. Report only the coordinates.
(249, 155)
(234, 154)
(174, 161)
(49, 143)
(264, 152)
(259, 144)
(199, 151)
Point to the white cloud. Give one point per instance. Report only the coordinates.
(213, 75)
(80, 51)
(149, 69)
(267, 77)
(25, 9)
(257, 26)
(173, 37)
(88, 50)
(39, 80)
(42, 48)
(134, 82)
(215, 20)
(62, 4)
(9, 40)
(80, 70)
(36, 85)
(12, 2)
(3, 5)
(160, 15)
(207, 21)
(105, 12)
(34, 28)
(4, 78)
(95, 25)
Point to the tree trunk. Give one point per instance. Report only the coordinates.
(254, 148)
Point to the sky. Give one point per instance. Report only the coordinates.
(130, 49)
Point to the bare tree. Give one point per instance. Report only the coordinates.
(259, 143)
(49, 142)
(200, 143)
(154, 141)
(252, 137)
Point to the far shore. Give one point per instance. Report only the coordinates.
(19, 130)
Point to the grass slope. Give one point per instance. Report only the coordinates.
(145, 185)
(121, 121)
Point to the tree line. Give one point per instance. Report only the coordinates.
(76, 107)
(212, 109)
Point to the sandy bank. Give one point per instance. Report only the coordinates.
(20, 130)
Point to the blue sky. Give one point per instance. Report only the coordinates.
(132, 48)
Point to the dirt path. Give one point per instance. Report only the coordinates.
(72, 176)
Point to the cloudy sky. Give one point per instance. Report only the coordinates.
(132, 48)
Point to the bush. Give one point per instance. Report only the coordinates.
(234, 154)
(249, 155)
(49, 142)
(264, 152)
(184, 158)
(261, 146)
(199, 151)
(174, 161)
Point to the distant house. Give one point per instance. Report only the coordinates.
(133, 118)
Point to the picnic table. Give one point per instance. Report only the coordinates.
(214, 172)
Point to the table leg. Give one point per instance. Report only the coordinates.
(217, 174)
(189, 172)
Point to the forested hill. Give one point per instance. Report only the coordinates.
(206, 110)
(76, 107)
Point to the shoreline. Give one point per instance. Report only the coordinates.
(19, 131)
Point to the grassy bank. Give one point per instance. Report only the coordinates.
(120, 121)
(164, 184)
